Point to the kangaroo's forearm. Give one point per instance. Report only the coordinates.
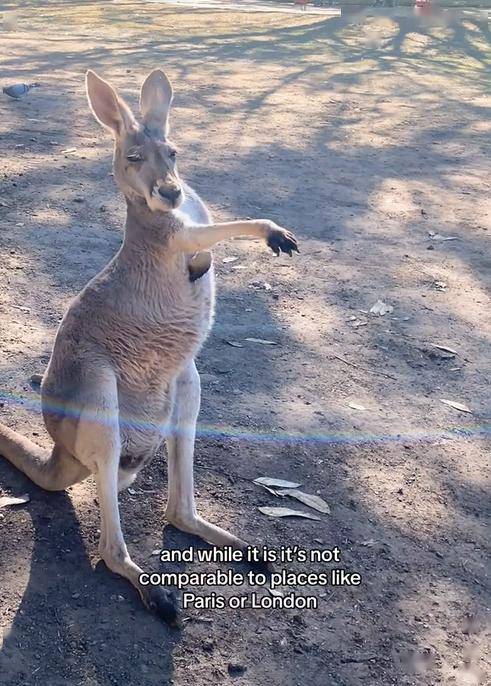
(204, 236)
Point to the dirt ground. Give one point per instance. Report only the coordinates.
(363, 137)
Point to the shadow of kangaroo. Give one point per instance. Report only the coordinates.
(122, 377)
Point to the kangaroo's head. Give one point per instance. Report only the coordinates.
(144, 158)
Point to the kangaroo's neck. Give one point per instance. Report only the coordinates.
(147, 233)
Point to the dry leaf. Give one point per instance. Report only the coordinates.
(275, 483)
(227, 260)
(355, 322)
(271, 490)
(275, 592)
(313, 501)
(7, 500)
(445, 348)
(370, 543)
(440, 285)
(68, 151)
(262, 341)
(235, 344)
(356, 406)
(381, 308)
(455, 405)
(438, 237)
(286, 512)
(156, 552)
(438, 353)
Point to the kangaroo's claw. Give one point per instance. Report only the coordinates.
(281, 240)
(162, 603)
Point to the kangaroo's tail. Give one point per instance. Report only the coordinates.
(53, 471)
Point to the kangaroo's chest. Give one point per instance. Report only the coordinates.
(152, 343)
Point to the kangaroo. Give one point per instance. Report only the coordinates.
(122, 378)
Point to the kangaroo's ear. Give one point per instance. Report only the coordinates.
(155, 101)
(108, 108)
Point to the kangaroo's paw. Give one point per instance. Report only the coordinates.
(281, 240)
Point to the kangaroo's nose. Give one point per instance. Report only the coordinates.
(171, 194)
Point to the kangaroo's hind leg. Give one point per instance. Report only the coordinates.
(98, 445)
(181, 506)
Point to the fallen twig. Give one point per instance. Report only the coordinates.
(365, 369)
(231, 477)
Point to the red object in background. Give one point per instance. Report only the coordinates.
(423, 7)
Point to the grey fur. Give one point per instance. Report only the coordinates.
(122, 378)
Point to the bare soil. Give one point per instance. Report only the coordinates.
(363, 136)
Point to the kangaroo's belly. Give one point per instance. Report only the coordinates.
(144, 422)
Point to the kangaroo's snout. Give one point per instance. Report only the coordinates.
(172, 195)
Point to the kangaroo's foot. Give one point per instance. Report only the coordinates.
(196, 525)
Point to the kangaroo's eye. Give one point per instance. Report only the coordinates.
(134, 156)
(173, 154)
